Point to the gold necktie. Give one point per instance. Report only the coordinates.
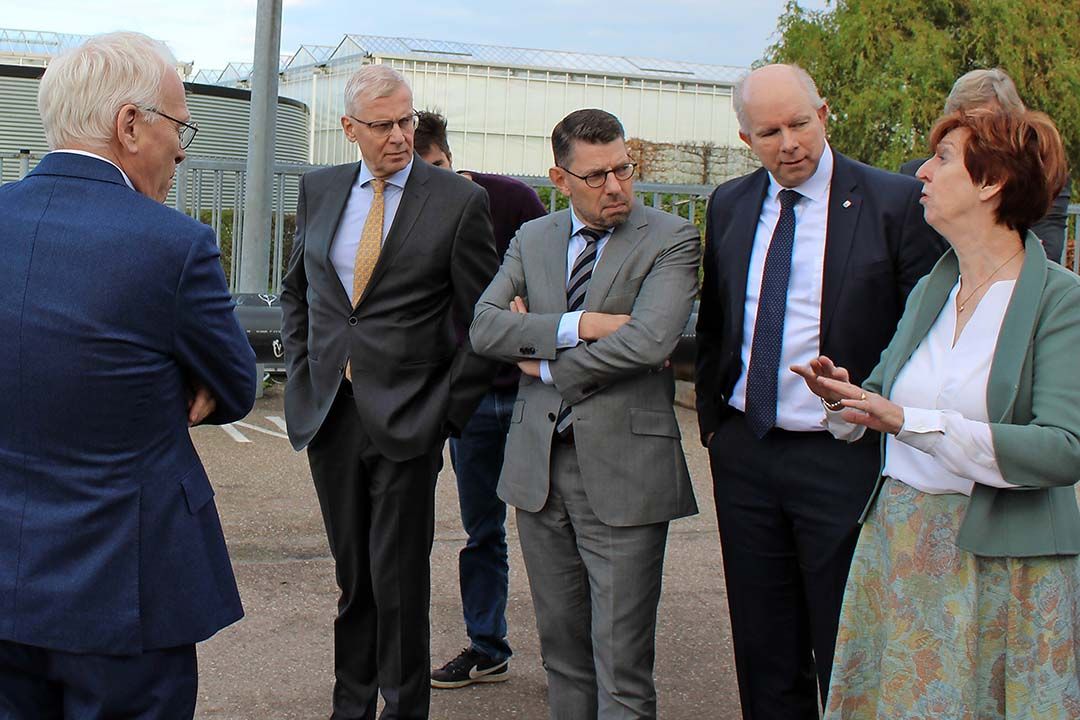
(367, 252)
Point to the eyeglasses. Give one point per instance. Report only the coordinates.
(383, 128)
(598, 178)
(186, 131)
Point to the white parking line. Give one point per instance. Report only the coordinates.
(256, 428)
(280, 422)
(234, 434)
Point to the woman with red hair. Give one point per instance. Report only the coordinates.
(963, 599)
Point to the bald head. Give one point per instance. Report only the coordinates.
(769, 79)
(782, 118)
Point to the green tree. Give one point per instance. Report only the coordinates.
(886, 66)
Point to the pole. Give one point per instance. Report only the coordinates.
(254, 251)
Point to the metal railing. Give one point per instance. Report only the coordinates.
(212, 191)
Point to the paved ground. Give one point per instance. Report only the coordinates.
(277, 662)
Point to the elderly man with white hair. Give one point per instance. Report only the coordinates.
(391, 254)
(119, 334)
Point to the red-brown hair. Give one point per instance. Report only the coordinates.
(1021, 150)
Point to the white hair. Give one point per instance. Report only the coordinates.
(84, 88)
(371, 82)
(980, 88)
(738, 94)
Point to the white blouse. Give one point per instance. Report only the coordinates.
(945, 445)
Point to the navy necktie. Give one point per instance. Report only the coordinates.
(575, 298)
(763, 374)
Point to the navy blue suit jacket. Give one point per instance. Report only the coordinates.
(877, 246)
(111, 305)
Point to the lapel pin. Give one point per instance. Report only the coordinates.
(847, 203)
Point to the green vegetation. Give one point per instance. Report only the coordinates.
(886, 66)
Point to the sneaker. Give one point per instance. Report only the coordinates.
(471, 666)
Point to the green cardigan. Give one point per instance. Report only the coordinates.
(1033, 401)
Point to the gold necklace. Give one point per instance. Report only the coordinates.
(964, 302)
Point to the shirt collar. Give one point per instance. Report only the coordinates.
(576, 224)
(97, 157)
(397, 179)
(816, 187)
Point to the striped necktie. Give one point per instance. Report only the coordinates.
(575, 299)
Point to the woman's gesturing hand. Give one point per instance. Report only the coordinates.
(831, 383)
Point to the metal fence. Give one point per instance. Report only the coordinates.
(212, 191)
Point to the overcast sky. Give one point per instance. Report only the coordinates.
(213, 33)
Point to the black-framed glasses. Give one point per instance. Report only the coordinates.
(598, 178)
(186, 130)
(383, 128)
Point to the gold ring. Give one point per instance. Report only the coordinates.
(863, 397)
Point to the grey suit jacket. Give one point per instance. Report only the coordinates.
(627, 436)
(413, 381)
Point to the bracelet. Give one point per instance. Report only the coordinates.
(833, 406)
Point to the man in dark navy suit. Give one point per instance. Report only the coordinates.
(118, 333)
(813, 253)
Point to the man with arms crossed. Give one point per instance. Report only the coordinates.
(590, 303)
(388, 251)
(118, 333)
(477, 455)
(812, 254)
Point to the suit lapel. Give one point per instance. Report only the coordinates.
(845, 202)
(733, 255)
(616, 249)
(1016, 332)
(321, 231)
(555, 270)
(414, 197)
(939, 284)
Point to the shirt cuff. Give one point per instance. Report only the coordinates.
(840, 428)
(567, 335)
(545, 373)
(923, 429)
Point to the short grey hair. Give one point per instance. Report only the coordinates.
(980, 88)
(84, 88)
(738, 94)
(372, 82)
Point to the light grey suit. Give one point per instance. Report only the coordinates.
(593, 516)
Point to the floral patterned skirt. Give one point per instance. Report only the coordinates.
(929, 630)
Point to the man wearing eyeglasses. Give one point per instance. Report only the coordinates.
(590, 302)
(119, 334)
(388, 252)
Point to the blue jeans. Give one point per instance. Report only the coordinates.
(477, 457)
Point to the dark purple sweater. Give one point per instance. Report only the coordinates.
(513, 203)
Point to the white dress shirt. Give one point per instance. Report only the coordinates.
(123, 174)
(567, 335)
(351, 226)
(945, 445)
(796, 407)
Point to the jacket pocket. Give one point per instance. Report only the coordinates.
(518, 412)
(197, 489)
(651, 422)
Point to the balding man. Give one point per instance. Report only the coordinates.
(813, 253)
(390, 255)
(118, 332)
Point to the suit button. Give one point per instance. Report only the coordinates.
(551, 417)
(527, 350)
(353, 321)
